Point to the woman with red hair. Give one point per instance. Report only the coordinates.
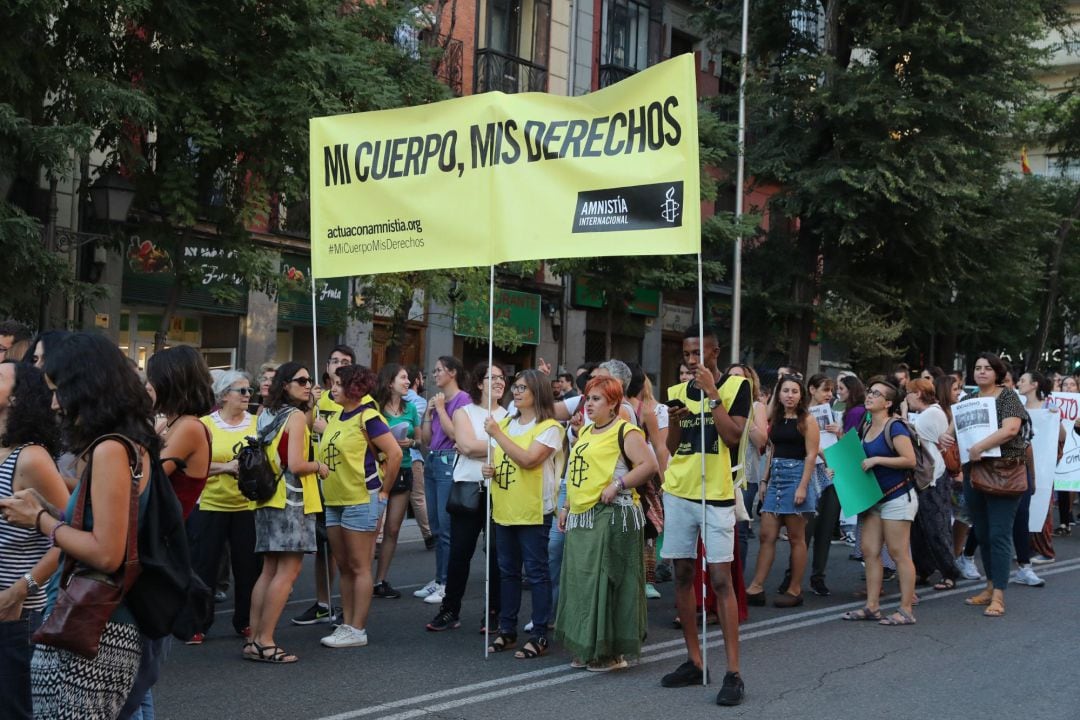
(601, 613)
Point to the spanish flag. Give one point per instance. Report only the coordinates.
(1024, 166)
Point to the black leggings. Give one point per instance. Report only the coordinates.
(464, 532)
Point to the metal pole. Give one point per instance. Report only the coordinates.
(315, 370)
(704, 517)
(487, 495)
(740, 170)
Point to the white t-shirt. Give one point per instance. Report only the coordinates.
(662, 420)
(930, 424)
(468, 469)
(552, 438)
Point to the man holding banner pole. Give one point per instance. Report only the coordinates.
(726, 403)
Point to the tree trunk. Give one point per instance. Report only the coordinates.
(1053, 282)
(162, 335)
(395, 342)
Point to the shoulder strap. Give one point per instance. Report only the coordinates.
(276, 424)
(622, 445)
(887, 432)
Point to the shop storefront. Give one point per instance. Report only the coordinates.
(519, 311)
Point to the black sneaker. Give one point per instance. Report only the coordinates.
(888, 575)
(445, 620)
(685, 675)
(430, 542)
(818, 587)
(732, 691)
(337, 617)
(315, 614)
(385, 590)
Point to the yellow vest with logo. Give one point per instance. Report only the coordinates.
(221, 493)
(309, 483)
(592, 465)
(344, 450)
(517, 494)
(683, 475)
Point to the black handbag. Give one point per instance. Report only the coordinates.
(466, 498)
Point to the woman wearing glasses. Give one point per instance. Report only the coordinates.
(284, 524)
(523, 492)
(224, 516)
(472, 445)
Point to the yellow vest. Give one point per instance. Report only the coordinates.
(309, 483)
(683, 475)
(344, 449)
(221, 493)
(592, 465)
(517, 494)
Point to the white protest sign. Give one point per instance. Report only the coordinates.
(1044, 426)
(1067, 476)
(824, 416)
(975, 420)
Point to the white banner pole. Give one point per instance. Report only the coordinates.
(704, 516)
(315, 373)
(487, 495)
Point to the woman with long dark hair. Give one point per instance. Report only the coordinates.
(523, 498)
(393, 385)
(284, 524)
(29, 437)
(43, 345)
(97, 393)
(785, 491)
(355, 493)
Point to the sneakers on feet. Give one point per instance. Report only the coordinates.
(436, 597)
(426, 590)
(818, 587)
(445, 620)
(1026, 576)
(849, 539)
(315, 614)
(967, 568)
(1041, 560)
(888, 574)
(651, 592)
(732, 691)
(337, 617)
(345, 636)
(220, 596)
(196, 639)
(685, 675)
(385, 590)
(430, 542)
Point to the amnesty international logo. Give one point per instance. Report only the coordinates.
(578, 466)
(504, 473)
(670, 209)
(332, 452)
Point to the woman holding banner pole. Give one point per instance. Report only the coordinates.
(993, 515)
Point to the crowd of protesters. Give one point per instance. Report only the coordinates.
(572, 480)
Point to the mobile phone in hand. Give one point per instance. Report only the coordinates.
(675, 404)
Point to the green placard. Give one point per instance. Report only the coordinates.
(294, 295)
(857, 489)
(520, 310)
(646, 301)
(148, 278)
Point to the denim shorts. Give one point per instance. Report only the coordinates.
(358, 518)
(682, 528)
(784, 478)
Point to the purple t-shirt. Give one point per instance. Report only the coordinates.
(439, 440)
(853, 417)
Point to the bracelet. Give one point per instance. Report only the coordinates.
(52, 535)
(37, 519)
(620, 483)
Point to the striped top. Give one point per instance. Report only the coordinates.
(20, 549)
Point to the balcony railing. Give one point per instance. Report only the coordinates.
(290, 218)
(611, 74)
(508, 74)
(449, 67)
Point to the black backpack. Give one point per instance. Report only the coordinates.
(168, 598)
(255, 476)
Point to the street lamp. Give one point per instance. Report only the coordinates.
(112, 195)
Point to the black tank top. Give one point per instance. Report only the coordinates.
(787, 441)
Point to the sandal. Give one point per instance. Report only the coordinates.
(945, 584)
(900, 617)
(502, 641)
(995, 609)
(983, 598)
(863, 614)
(534, 648)
(276, 655)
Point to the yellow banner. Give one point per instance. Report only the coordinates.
(494, 178)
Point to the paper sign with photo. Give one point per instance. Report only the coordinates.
(825, 416)
(975, 420)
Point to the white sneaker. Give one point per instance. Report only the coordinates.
(651, 592)
(346, 636)
(967, 568)
(426, 590)
(1026, 576)
(1041, 560)
(529, 626)
(437, 595)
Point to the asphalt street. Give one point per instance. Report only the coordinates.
(803, 663)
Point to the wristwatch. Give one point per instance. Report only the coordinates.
(713, 404)
(32, 587)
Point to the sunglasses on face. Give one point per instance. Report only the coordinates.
(241, 391)
(304, 381)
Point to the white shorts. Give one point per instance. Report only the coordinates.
(901, 508)
(682, 528)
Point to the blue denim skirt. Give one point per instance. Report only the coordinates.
(784, 478)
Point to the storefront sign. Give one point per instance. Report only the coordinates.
(519, 310)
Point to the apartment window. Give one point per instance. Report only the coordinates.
(505, 27)
(626, 34)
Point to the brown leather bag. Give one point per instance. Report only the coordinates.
(1003, 477)
(87, 597)
(952, 459)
